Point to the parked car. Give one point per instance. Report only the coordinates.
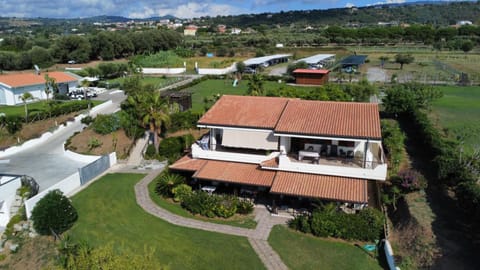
(72, 62)
(249, 70)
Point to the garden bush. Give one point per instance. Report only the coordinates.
(226, 206)
(150, 152)
(53, 213)
(244, 207)
(366, 225)
(87, 120)
(167, 182)
(183, 120)
(172, 148)
(202, 203)
(106, 123)
(181, 192)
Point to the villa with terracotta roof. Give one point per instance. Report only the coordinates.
(12, 86)
(290, 148)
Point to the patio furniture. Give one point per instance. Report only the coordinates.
(310, 154)
(209, 189)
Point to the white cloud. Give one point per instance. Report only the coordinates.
(349, 5)
(191, 10)
(388, 2)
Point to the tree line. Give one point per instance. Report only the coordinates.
(18, 52)
(449, 38)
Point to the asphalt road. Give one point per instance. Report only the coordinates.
(46, 163)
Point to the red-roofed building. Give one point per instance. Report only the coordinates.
(12, 86)
(292, 147)
(311, 76)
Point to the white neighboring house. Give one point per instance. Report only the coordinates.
(290, 147)
(12, 86)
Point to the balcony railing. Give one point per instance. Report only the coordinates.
(335, 166)
(233, 154)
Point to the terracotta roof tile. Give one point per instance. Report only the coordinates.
(321, 118)
(25, 79)
(232, 172)
(310, 71)
(320, 186)
(245, 111)
(187, 163)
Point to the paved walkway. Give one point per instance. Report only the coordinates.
(257, 237)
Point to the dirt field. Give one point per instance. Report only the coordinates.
(116, 141)
(38, 253)
(32, 130)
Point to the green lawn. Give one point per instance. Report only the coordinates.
(301, 251)
(459, 111)
(238, 221)
(108, 213)
(157, 82)
(210, 88)
(34, 106)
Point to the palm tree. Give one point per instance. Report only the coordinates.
(153, 111)
(85, 84)
(26, 97)
(47, 89)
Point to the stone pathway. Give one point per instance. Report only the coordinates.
(257, 237)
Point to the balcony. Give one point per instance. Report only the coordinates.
(336, 166)
(232, 154)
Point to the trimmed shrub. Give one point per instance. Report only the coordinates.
(181, 192)
(244, 207)
(106, 123)
(87, 120)
(226, 206)
(201, 203)
(366, 225)
(53, 213)
(300, 223)
(171, 148)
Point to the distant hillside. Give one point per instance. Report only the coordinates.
(435, 13)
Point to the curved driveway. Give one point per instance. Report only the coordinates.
(46, 162)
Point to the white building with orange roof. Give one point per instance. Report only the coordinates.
(12, 86)
(290, 148)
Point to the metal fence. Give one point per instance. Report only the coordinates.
(93, 169)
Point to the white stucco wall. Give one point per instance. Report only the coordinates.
(11, 96)
(7, 195)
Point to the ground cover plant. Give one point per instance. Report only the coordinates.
(302, 251)
(108, 213)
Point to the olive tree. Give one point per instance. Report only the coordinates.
(53, 214)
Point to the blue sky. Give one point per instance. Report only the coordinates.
(181, 9)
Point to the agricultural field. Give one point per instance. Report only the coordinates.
(206, 92)
(171, 60)
(157, 81)
(458, 113)
(429, 66)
